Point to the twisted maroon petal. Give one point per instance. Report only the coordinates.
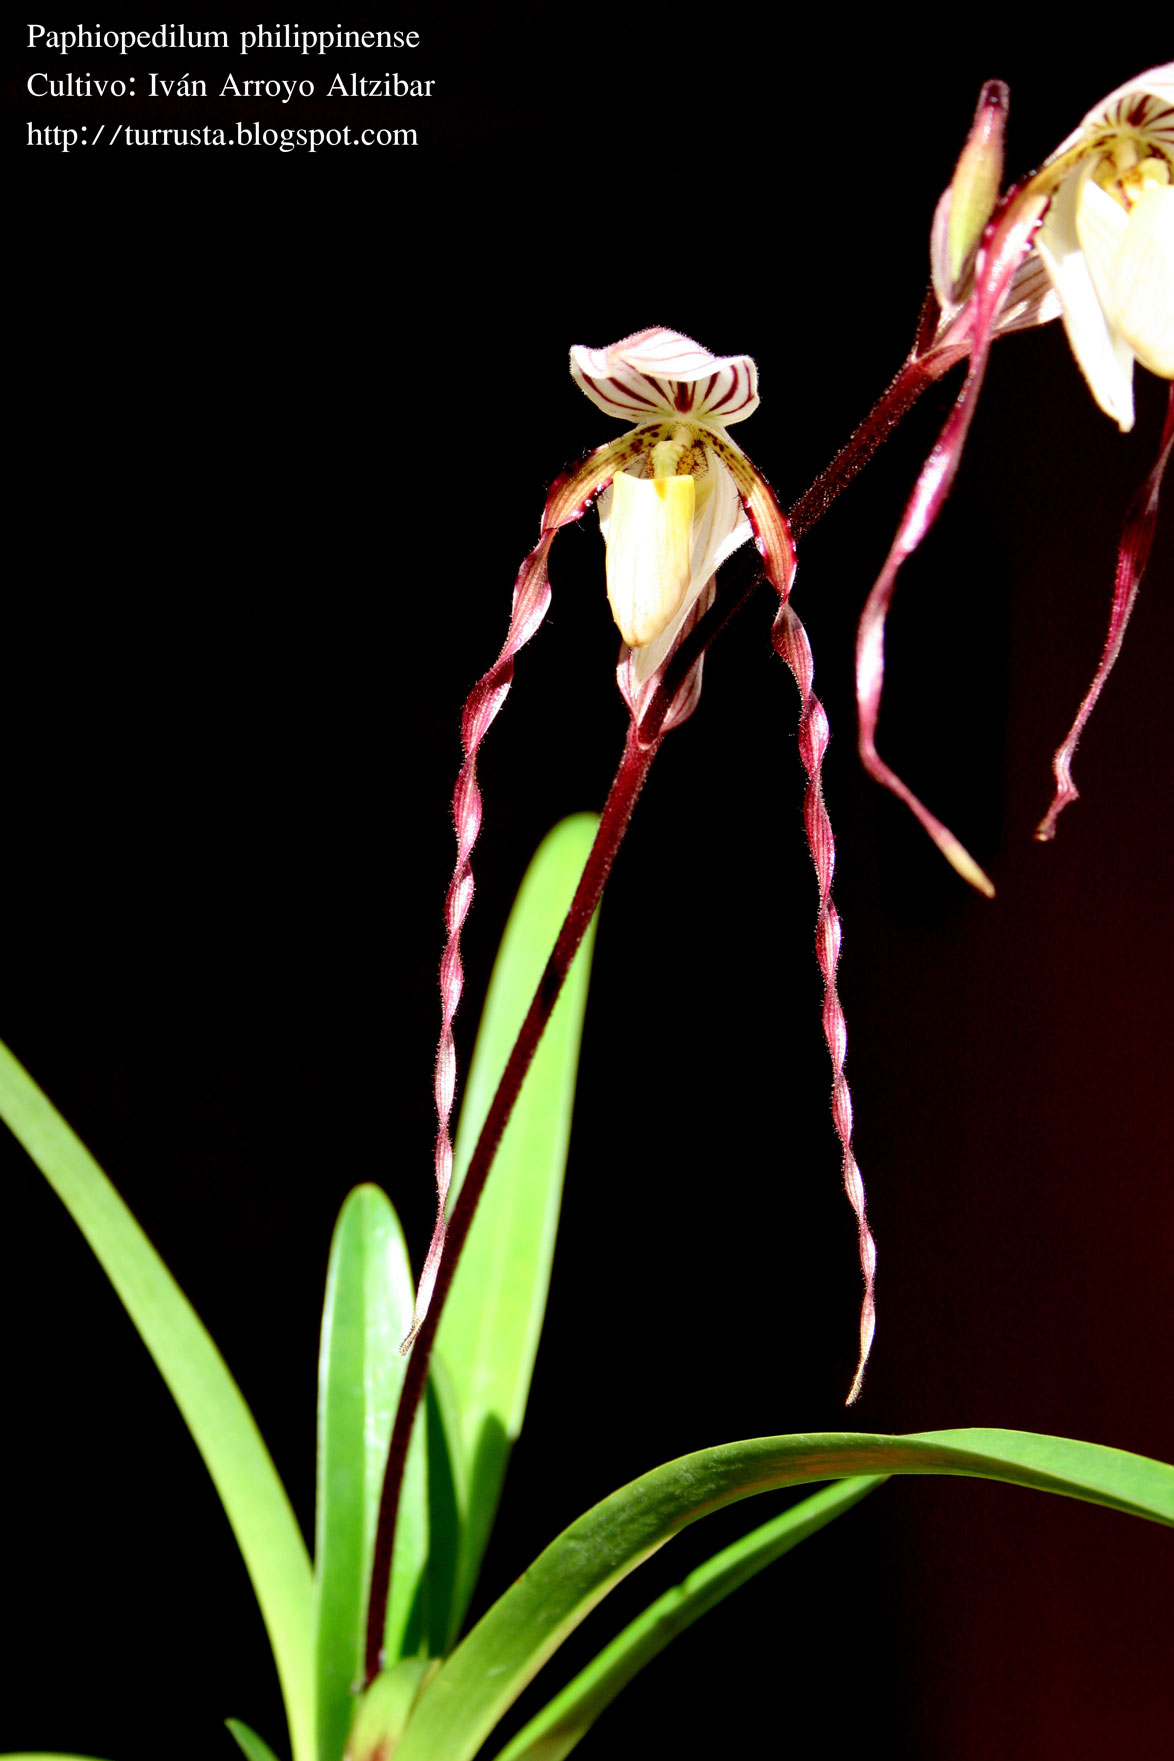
(772, 534)
(568, 500)
(1133, 553)
(1002, 250)
(790, 641)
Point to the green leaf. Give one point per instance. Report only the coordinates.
(368, 1310)
(212, 1405)
(447, 1476)
(42, 1755)
(386, 1708)
(255, 1748)
(488, 1337)
(556, 1730)
(507, 1648)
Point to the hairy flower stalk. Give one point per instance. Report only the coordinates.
(1089, 238)
(629, 780)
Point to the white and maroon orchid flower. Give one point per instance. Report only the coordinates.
(675, 514)
(1089, 238)
(677, 498)
(662, 558)
(1107, 239)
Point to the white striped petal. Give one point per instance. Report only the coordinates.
(1143, 106)
(659, 373)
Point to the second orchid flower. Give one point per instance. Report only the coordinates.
(1089, 238)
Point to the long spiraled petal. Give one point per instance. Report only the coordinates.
(790, 641)
(1132, 556)
(1003, 250)
(569, 498)
(659, 372)
(772, 535)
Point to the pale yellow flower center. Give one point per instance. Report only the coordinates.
(1129, 167)
(682, 455)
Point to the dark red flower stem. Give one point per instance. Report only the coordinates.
(918, 372)
(640, 749)
(617, 812)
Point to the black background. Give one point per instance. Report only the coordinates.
(283, 430)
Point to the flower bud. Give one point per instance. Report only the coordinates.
(969, 202)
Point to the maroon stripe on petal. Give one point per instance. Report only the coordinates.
(731, 391)
(661, 397)
(629, 392)
(717, 403)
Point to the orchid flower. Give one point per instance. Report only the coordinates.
(677, 496)
(1089, 238)
(673, 516)
(1107, 239)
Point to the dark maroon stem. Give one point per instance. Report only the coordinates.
(918, 372)
(617, 812)
(640, 749)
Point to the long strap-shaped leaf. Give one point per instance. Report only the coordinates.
(559, 1727)
(368, 1310)
(526, 1626)
(212, 1405)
